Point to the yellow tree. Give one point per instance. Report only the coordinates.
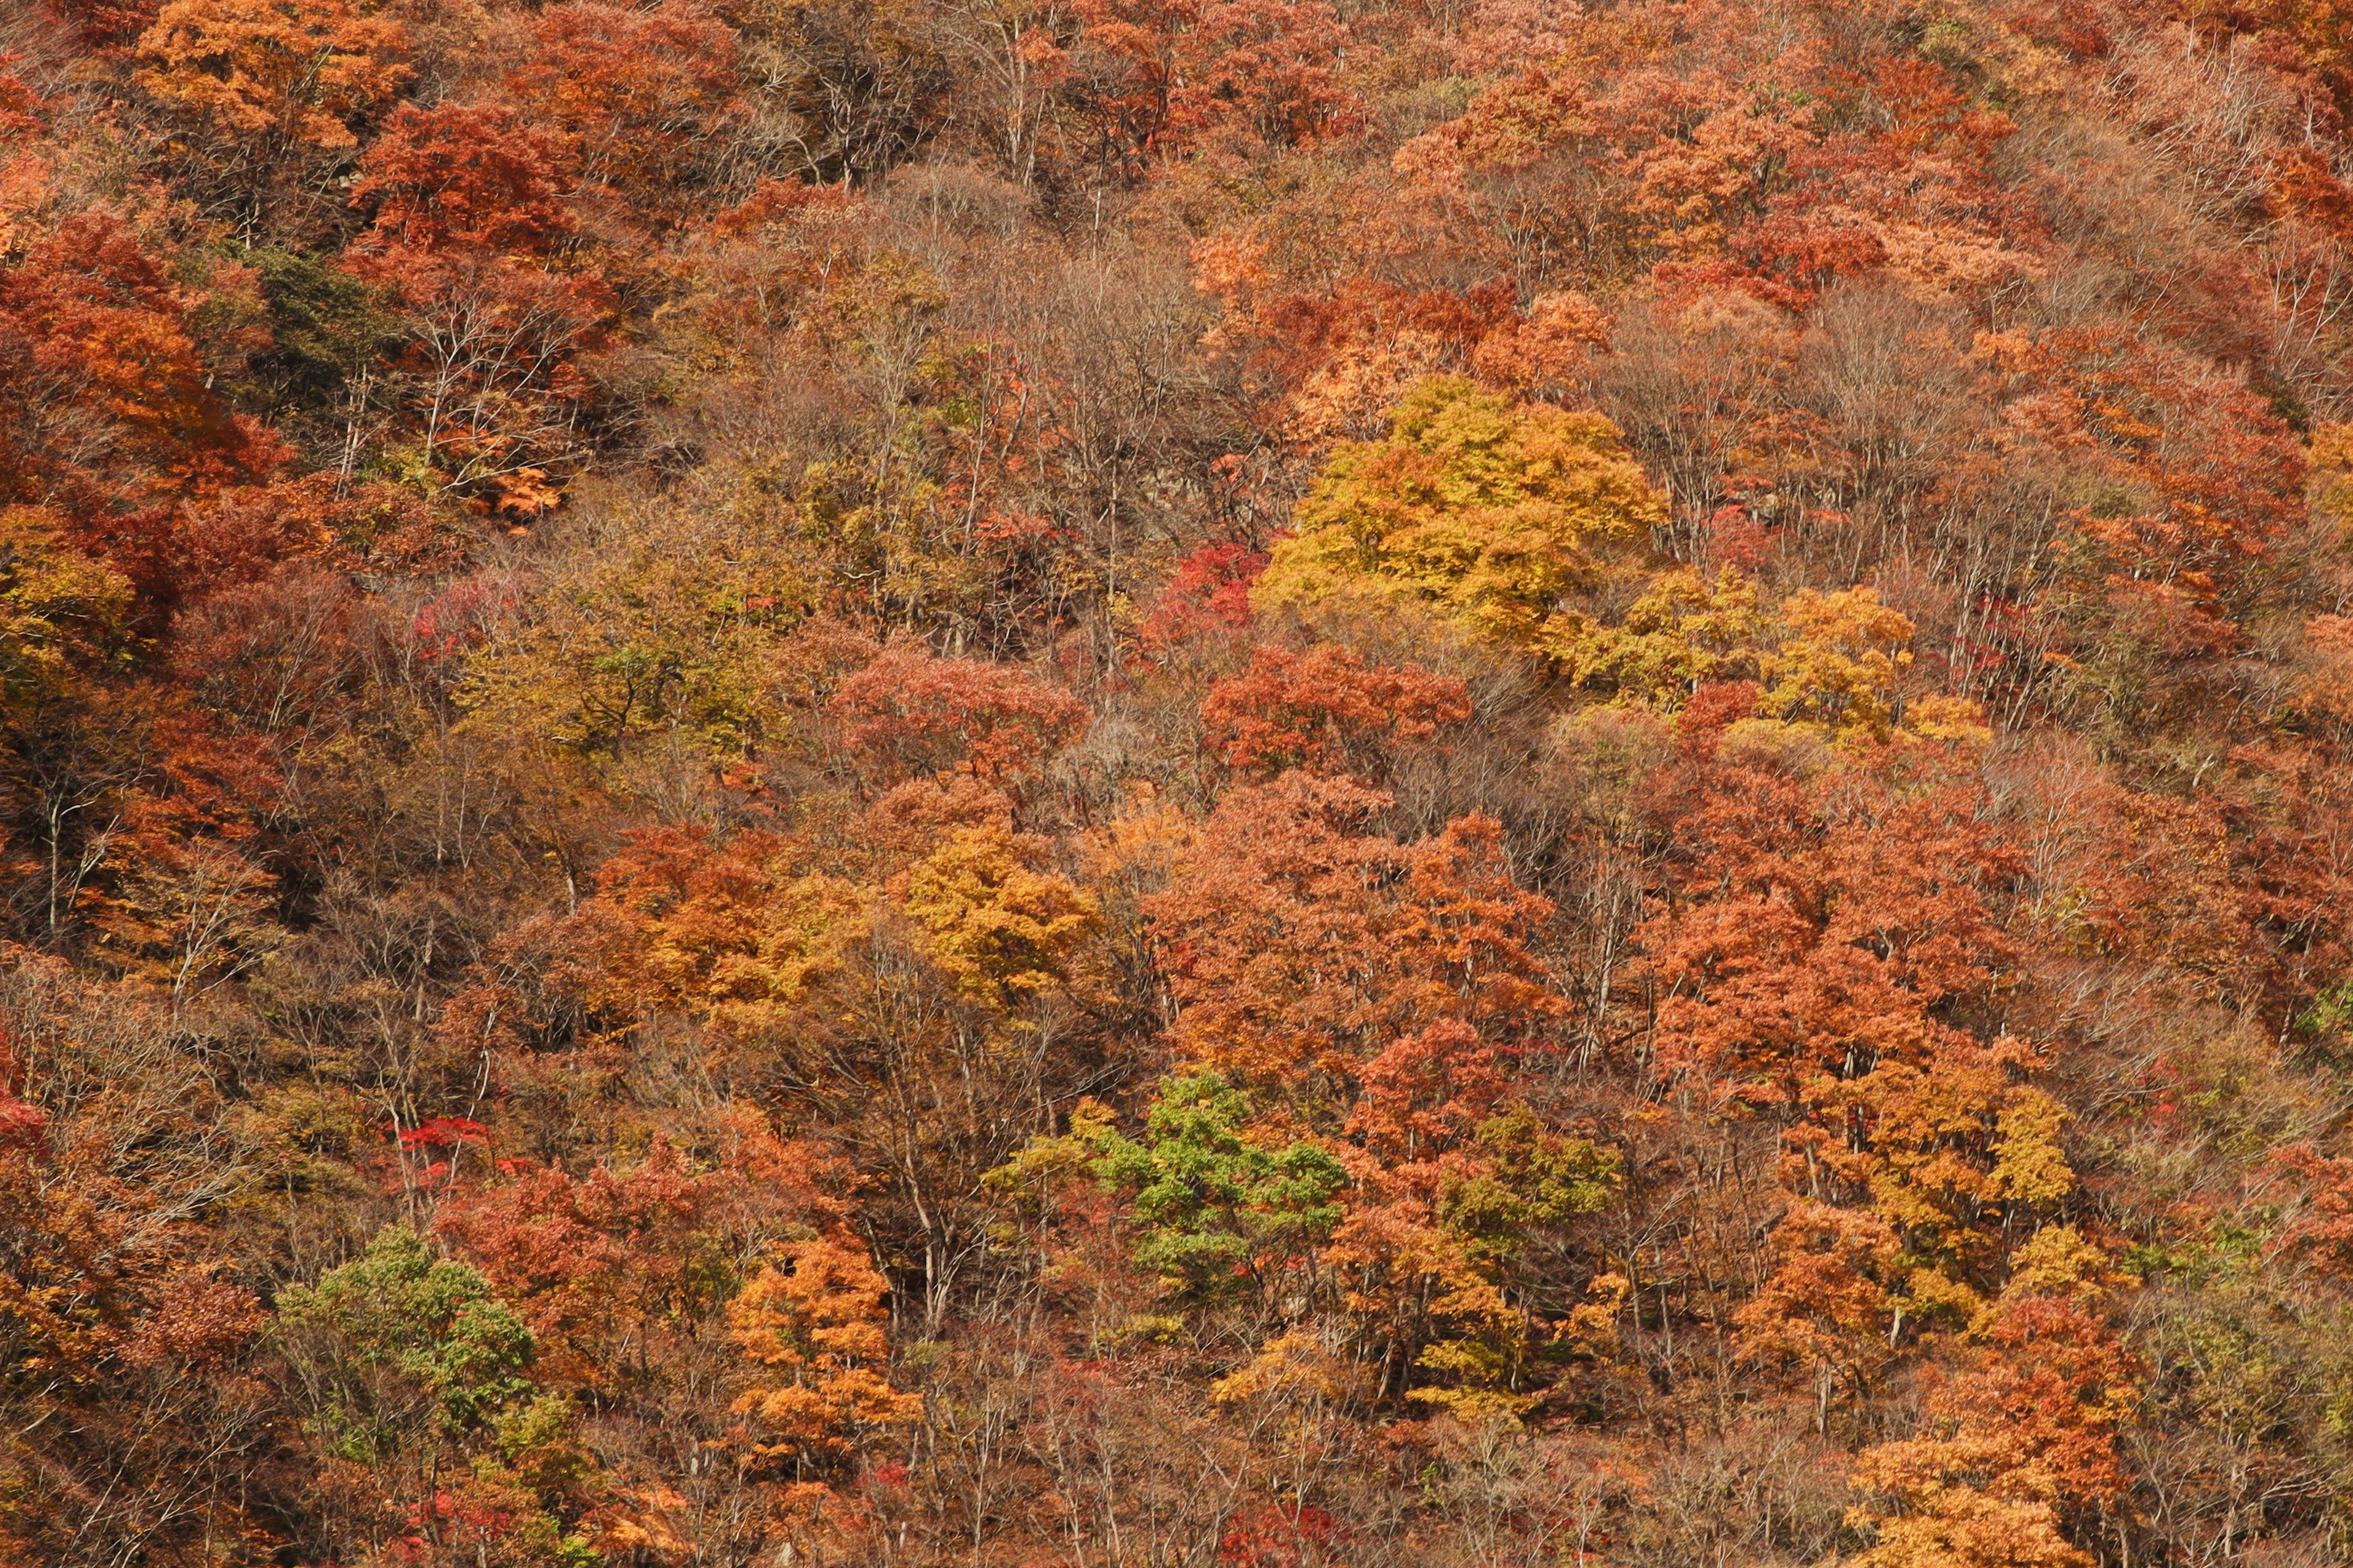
(1484, 512)
(1841, 661)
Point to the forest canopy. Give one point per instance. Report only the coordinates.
(1176, 783)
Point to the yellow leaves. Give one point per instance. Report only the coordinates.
(1683, 631)
(303, 69)
(1296, 1367)
(1944, 1147)
(1483, 512)
(1591, 1328)
(1839, 667)
(2028, 1165)
(2056, 1261)
(673, 641)
(998, 926)
(57, 607)
(1837, 674)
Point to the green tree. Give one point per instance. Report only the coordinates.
(1219, 1208)
(397, 1346)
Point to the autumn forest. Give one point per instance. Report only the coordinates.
(1176, 783)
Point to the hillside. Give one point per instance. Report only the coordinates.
(1176, 783)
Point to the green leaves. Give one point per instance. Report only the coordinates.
(1530, 1180)
(1219, 1208)
(397, 1344)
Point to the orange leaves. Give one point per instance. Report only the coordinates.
(2320, 1228)
(2020, 1458)
(1299, 945)
(304, 71)
(638, 92)
(729, 932)
(1324, 711)
(1267, 69)
(1507, 127)
(1828, 1302)
(2204, 482)
(916, 714)
(467, 203)
(1841, 948)
(812, 1322)
(460, 177)
(1545, 353)
(1426, 1091)
(1817, 945)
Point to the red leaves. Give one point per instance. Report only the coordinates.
(589, 1261)
(106, 413)
(1275, 1536)
(1208, 593)
(24, 1129)
(444, 1132)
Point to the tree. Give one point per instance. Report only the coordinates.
(463, 178)
(1298, 945)
(1219, 1210)
(1323, 711)
(812, 1322)
(269, 84)
(1486, 514)
(107, 419)
(2023, 1467)
(397, 1346)
(1684, 632)
(638, 93)
(915, 714)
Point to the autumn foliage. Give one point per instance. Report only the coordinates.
(1176, 783)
